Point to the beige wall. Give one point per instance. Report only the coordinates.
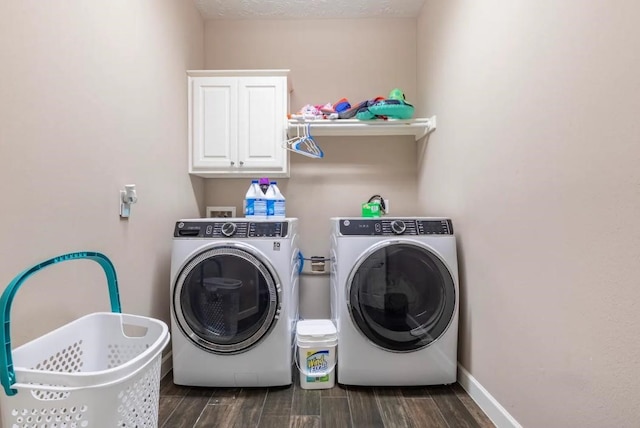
(536, 159)
(93, 97)
(328, 59)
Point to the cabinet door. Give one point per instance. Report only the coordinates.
(214, 123)
(262, 109)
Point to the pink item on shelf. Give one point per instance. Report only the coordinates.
(311, 112)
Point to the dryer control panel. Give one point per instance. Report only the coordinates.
(395, 226)
(231, 229)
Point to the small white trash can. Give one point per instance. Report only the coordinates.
(316, 342)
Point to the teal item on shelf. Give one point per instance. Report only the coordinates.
(393, 109)
(365, 114)
(396, 94)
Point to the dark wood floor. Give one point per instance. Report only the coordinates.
(283, 407)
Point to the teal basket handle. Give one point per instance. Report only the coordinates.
(7, 373)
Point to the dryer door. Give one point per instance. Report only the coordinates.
(226, 299)
(401, 296)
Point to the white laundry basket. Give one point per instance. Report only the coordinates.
(101, 370)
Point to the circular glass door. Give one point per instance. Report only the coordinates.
(225, 299)
(401, 296)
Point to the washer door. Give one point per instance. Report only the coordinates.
(226, 299)
(401, 296)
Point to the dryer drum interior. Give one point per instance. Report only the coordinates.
(226, 299)
(401, 296)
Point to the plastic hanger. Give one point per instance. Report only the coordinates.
(288, 143)
(304, 144)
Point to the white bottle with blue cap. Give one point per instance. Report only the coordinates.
(270, 197)
(277, 200)
(250, 199)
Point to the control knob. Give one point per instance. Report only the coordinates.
(398, 227)
(228, 229)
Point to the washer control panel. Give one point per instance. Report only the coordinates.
(396, 226)
(230, 229)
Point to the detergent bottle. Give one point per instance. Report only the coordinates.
(250, 199)
(260, 204)
(279, 208)
(270, 196)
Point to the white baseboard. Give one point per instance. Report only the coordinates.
(489, 405)
(167, 364)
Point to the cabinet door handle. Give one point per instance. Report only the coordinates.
(232, 163)
(241, 163)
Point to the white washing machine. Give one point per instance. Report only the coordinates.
(394, 299)
(234, 301)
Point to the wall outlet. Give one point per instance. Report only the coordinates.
(221, 212)
(386, 206)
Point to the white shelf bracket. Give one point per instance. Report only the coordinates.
(430, 127)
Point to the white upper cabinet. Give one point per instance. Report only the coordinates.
(214, 123)
(238, 123)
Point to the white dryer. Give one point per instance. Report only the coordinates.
(234, 301)
(394, 299)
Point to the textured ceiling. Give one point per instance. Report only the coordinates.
(308, 9)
